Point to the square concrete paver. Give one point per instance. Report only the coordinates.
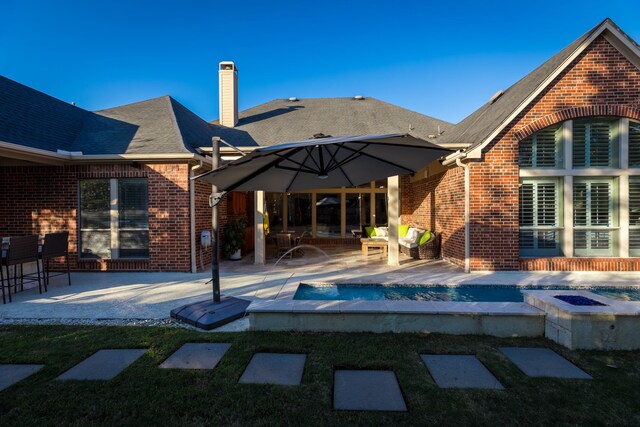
(543, 362)
(274, 368)
(459, 371)
(196, 356)
(103, 365)
(11, 374)
(367, 391)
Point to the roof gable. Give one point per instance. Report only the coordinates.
(483, 125)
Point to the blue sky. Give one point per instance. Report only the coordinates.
(442, 59)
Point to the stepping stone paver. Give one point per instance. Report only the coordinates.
(459, 371)
(543, 362)
(367, 391)
(11, 374)
(196, 356)
(274, 368)
(103, 365)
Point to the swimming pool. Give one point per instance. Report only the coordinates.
(464, 293)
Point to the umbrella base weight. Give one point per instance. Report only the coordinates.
(209, 315)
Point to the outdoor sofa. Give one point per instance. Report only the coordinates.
(415, 242)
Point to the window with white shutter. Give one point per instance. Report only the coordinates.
(634, 216)
(539, 218)
(593, 217)
(543, 149)
(634, 144)
(595, 143)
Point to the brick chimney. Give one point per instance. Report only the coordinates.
(228, 75)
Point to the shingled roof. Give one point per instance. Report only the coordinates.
(492, 116)
(282, 120)
(34, 119)
(157, 126)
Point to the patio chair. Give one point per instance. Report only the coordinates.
(283, 242)
(20, 251)
(56, 245)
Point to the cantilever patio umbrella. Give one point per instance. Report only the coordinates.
(325, 163)
(306, 165)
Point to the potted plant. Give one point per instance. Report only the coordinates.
(233, 237)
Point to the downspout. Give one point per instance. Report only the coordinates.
(467, 250)
(192, 215)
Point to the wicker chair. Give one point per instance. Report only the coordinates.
(428, 250)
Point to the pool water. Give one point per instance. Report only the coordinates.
(468, 293)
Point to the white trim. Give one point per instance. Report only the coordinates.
(534, 173)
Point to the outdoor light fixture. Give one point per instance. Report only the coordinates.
(323, 176)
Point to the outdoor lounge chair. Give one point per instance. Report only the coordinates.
(428, 250)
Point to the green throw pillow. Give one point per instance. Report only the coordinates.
(371, 231)
(402, 230)
(425, 238)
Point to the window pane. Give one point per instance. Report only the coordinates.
(328, 215)
(273, 210)
(381, 209)
(134, 244)
(543, 149)
(95, 204)
(299, 212)
(526, 205)
(593, 242)
(358, 213)
(133, 206)
(594, 141)
(95, 244)
(546, 204)
(593, 207)
(634, 144)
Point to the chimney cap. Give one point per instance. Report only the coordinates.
(228, 65)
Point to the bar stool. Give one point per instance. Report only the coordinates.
(56, 245)
(21, 250)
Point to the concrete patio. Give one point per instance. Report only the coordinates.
(152, 295)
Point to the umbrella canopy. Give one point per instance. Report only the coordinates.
(325, 163)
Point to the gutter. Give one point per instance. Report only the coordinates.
(21, 152)
(467, 249)
(192, 215)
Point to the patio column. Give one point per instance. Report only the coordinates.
(393, 214)
(259, 247)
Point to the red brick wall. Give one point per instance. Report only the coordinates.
(42, 199)
(599, 82)
(437, 203)
(203, 221)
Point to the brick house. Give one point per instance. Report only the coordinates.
(544, 176)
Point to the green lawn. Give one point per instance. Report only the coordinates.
(146, 395)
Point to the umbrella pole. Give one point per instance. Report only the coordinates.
(215, 235)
